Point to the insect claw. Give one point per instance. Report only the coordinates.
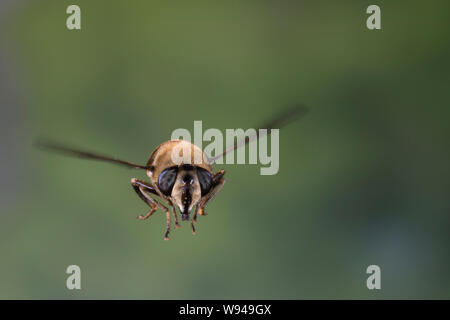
(166, 238)
(148, 215)
(141, 217)
(177, 226)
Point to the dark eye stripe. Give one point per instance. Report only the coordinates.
(166, 180)
(205, 179)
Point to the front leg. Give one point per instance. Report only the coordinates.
(137, 184)
(143, 189)
(194, 218)
(175, 216)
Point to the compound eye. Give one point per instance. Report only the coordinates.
(166, 180)
(205, 179)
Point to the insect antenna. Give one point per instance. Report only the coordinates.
(52, 146)
(277, 122)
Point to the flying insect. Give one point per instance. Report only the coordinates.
(183, 185)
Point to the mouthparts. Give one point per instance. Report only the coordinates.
(185, 216)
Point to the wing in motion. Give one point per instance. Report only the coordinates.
(51, 146)
(277, 122)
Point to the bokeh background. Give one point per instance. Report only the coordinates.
(364, 177)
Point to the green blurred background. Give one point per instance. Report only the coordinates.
(364, 177)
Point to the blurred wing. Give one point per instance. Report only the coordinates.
(51, 146)
(277, 122)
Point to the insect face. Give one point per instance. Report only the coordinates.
(186, 191)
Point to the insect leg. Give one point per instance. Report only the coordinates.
(137, 184)
(143, 189)
(194, 218)
(175, 216)
(162, 207)
(166, 235)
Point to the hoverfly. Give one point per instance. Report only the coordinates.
(183, 185)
